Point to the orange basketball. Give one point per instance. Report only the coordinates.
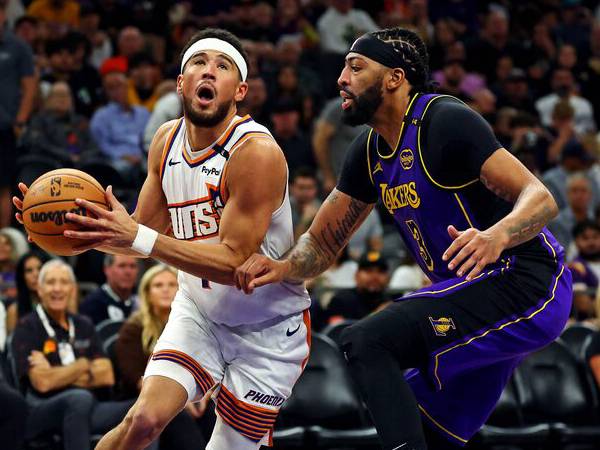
(49, 199)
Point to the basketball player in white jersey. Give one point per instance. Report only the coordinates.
(216, 192)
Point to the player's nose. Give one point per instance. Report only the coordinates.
(343, 79)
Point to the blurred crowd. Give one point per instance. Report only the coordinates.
(86, 84)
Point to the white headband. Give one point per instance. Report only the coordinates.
(217, 45)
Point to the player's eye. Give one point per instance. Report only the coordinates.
(354, 68)
(223, 66)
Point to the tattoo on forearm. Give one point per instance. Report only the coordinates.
(529, 226)
(313, 254)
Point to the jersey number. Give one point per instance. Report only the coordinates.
(418, 237)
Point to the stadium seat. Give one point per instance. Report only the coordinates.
(108, 328)
(325, 403)
(574, 337)
(553, 391)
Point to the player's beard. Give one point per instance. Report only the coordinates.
(202, 119)
(364, 105)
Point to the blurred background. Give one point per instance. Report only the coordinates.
(86, 84)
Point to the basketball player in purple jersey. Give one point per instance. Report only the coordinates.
(472, 216)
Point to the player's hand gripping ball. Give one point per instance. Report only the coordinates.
(47, 203)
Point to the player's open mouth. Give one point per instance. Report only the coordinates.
(347, 100)
(206, 94)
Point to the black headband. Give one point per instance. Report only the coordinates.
(385, 54)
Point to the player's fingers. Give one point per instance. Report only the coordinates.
(86, 221)
(456, 245)
(18, 203)
(19, 218)
(241, 271)
(461, 256)
(453, 232)
(23, 188)
(477, 269)
(88, 235)
(254, 268)
(470, 262)
(112, 200)
(266, 278)
(92, 207)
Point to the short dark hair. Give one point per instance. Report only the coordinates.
(26, 19)
(305, 172)
(414, 51)
(217, 33)
(583, 226)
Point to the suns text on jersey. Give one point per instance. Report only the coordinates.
(195, 219)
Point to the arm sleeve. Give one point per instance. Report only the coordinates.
(355, 180)
(457, 141)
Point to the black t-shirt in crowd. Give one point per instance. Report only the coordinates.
(456, 141)
(31, 335)
(354, 304)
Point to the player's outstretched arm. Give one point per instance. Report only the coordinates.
(255, 179)
(337, 219)
(534, 207)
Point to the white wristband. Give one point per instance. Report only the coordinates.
(144, 240)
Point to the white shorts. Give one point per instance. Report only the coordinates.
(257, 365)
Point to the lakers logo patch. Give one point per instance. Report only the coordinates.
(407, 158)
(442, 325)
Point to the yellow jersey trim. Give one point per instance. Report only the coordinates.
(401, 130)
(549, 246)
(441, 427)
(421, 153)
(454, 286)
(463, 210)
(368, 157)
(533, 314)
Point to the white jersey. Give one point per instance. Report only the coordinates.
(192, 183)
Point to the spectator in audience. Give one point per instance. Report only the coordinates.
(285, 116)
(444, 36)
(118, 127)
(331, 138)
(8, 260)
(168, 107)
(454, 80)
(529, 142)
(368, 237)
(100, 45)
(144, 80)
(493, 42)
(304, 190)
(515, 92)
(255, 101)
(585, 268)
(17, 90)
(84, 79)
(408, 276)
(59, 15)
(564, 88)
(13, 416)
(574, 158)
(60, 361)
(579, 208)
(341, 24)
(135, 343)
(116, 298)
(26, 28)
(340, 275)
(372, 278)
(129, 43)
(562, 130)
(60, 63)
(58, 132)
(26, 277)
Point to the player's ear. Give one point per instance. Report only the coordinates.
(242, 89)
(395, 79)
(180, 84)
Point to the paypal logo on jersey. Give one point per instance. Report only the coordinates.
(210, 171)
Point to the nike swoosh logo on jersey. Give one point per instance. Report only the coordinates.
(291, 333)
(171, 163)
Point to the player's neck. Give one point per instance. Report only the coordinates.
(388, 119)
(201, 137)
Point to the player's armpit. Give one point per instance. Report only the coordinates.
(337, 219)
(151, 209)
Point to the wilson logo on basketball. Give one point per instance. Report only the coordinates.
(58, 217)
(55, 186)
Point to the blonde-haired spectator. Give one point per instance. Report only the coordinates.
(136, 341)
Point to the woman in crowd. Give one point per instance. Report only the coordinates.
(136, 340)
(26, 279)
(8, 256)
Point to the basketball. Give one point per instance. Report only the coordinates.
(49, 199)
